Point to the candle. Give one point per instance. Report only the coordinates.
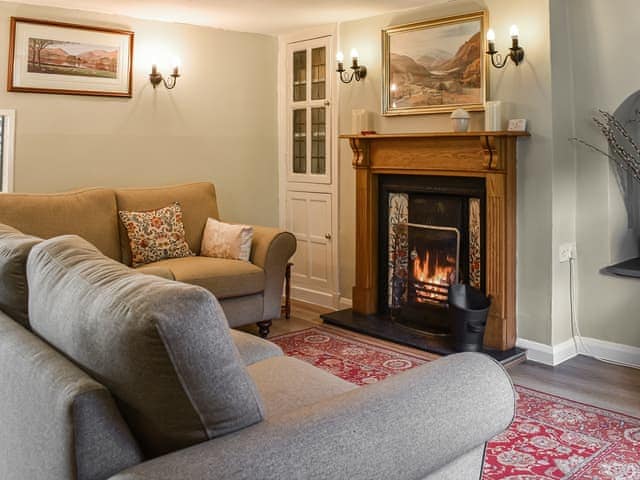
(491, 39)
(175, 61)
(514, 32)
(360, 121)
(493, 116)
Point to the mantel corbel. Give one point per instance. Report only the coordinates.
(360, 150)
(490, 151)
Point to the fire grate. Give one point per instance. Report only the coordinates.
(434, 255)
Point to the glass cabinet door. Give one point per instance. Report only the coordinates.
(309, 111)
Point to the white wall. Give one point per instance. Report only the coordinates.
(218, 124)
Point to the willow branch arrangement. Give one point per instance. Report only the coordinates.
(623, 149)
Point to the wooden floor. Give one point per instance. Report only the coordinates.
(581, 379)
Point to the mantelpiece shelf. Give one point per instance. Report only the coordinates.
(501, 133)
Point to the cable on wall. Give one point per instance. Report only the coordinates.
(581, 347)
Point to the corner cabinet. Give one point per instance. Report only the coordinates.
(309, 96)
(308, 165)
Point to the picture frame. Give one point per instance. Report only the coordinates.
(435, 66)
(517, 125)
(71, 59)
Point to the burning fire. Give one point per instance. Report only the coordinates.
(432, 284)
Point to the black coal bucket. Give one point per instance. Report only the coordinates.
(468, 310)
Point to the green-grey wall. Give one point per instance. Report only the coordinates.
(218, 124)
(603, 37)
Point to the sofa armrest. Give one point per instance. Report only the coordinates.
(57, 422)
(271, 250)
(404, 427)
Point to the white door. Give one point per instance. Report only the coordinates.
(309, 219)
(309, 173)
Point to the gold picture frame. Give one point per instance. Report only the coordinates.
(65, 58)
(435, 66)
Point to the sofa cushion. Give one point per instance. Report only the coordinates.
(91, 214)
(226, 240)
(162, 348)
(155, 234)
(223, 277)
(14, 250)
(287, 384)
(254, 349)
(198, 201)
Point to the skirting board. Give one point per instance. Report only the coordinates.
(316, 297)
(345, 303)
(548, 355)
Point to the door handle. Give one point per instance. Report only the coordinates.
(327, 236)
(327, 103)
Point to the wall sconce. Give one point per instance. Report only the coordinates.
(359, 71)
(516, 52)
(156, 77)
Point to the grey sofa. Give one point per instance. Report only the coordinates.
(60, 421)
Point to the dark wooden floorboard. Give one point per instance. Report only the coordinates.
(581, 378)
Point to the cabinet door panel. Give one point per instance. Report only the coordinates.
(309, 219)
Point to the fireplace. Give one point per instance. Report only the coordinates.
(432, 209)
(431, 237)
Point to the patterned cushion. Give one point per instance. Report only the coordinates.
(156, 234)
(225, 240)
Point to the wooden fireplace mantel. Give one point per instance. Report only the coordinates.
(488, 155)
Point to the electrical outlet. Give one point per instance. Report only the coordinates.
(567, 252)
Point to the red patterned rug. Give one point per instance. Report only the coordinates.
(551, 438)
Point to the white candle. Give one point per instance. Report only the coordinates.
(493, 116)
(360, 121)
(491, 39)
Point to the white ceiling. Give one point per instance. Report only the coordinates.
(259, 16)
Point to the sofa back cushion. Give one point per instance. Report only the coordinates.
(90, 213)
(14, 250)
(197, 200)
(162, 348)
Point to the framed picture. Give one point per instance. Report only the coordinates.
(435, 66)
(53, 57)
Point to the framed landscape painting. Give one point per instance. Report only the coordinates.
(53, 57)
(434, 66)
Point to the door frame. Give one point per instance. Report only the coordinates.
(284, 183)
(8, 146)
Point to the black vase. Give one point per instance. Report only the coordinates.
(468, 311)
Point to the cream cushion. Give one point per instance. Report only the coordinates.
(226, 240)
(223, 277)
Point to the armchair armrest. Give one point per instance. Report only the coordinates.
(271, 250)
(405, 427)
